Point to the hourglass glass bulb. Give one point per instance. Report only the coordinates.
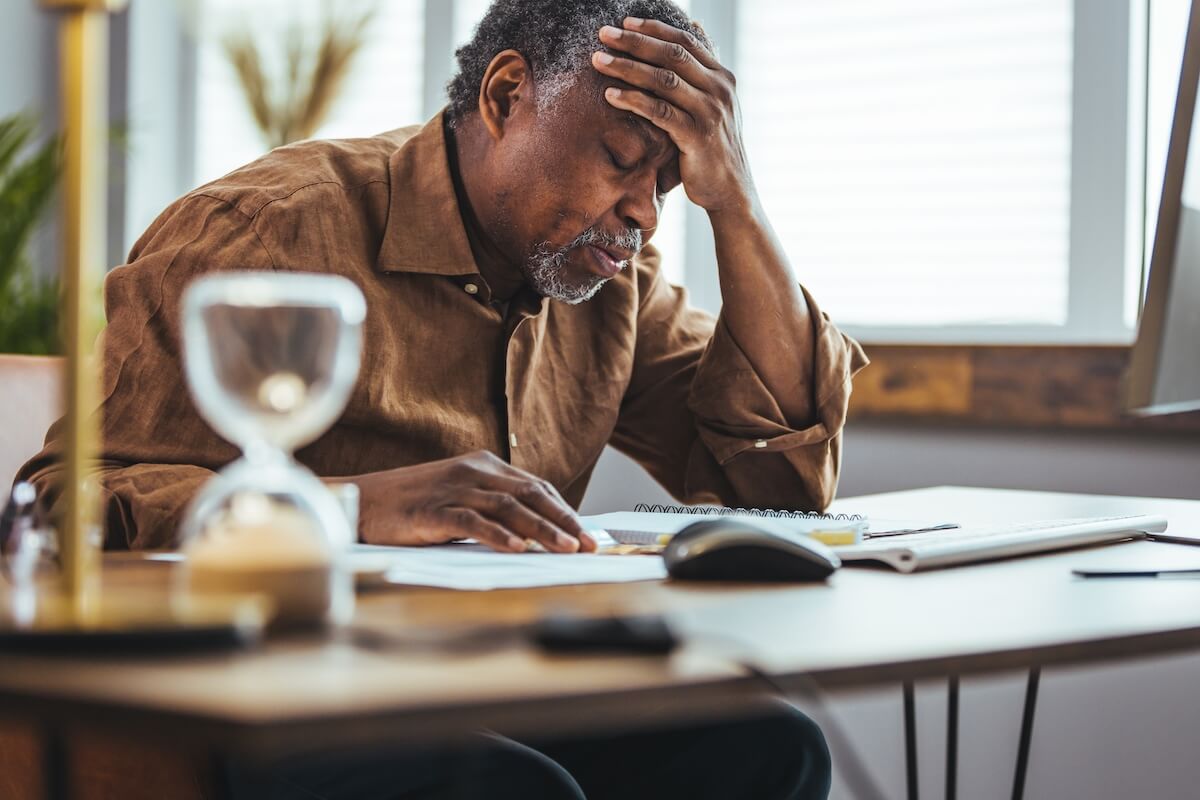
(271, 360)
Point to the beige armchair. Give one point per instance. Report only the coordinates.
(30, 399)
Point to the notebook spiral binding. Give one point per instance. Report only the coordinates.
(726, 511)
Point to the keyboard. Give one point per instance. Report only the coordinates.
(910, 552)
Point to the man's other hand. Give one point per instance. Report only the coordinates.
(475, 496)
(680, 86)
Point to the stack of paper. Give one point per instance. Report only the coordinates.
(473, 567)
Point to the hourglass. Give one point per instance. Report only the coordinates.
(271, 359)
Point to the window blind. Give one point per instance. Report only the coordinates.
(915, 155)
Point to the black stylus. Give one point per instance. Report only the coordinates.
(1132, 573)
(1167, 538)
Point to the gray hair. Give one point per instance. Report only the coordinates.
(557, 38)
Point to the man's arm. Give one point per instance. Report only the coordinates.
(700, 418)
(768, 396)
(687, 93)
(158, 452)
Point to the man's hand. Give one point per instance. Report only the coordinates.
(684, 90)
(478, 496)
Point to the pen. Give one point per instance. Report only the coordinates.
(1132, 573)
(945, 526)
(1168, 539)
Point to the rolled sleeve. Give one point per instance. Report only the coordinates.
(736, 413)
(700, 419)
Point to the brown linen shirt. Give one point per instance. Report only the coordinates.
(443, 373)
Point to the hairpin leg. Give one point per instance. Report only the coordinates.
(952, 738)
(56, 765)
(910, 740)
(1031, 690)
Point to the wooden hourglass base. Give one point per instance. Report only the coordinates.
(128, 621)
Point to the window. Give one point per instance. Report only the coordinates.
(939, 171)
(915, 155)
(946, 171)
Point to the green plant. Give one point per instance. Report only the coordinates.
(28, 305)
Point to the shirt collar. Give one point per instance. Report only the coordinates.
(424, 231)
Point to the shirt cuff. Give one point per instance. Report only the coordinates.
(736, 413)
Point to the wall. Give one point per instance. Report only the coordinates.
(1108, 732)
(160, 116)
(883, 458)
(27, 48)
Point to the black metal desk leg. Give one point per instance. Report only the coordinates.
(910, 740)
(56, 766)
(952, 738)
(1031, 690)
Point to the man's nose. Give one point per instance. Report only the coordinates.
(639, 206)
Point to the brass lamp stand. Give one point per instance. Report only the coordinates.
(80, 615)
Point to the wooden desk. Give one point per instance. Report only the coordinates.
(864, 627)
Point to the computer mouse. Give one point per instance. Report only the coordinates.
(731, 550)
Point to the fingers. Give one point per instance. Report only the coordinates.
(680, 85)
(678, 124)
(671, 55)
(661, 81)
(441, 525)
(539, 498)
(669, 33)
(467, 522)
(477, 495)
(520, 520)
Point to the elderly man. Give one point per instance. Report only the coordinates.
(517, 323)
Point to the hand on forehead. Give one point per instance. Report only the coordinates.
(653, 59)
(660, 43)
(671, 79)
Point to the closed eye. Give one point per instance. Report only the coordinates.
(616, 161)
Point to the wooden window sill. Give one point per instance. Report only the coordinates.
(1042, 386)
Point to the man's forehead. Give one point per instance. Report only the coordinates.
(653, 137)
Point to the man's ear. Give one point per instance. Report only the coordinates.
(506, 81)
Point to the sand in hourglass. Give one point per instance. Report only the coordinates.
(277, 554)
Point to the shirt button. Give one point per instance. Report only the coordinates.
(471, 288)
(760, 444)
(512, 440)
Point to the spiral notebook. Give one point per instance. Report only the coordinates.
(655, 524)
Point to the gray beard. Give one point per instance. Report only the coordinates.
(544, 266)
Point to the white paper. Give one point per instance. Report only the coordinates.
(474, 567)
(636, 527)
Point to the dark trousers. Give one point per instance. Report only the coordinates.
(781, 756)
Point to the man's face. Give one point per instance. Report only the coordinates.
(579, 189)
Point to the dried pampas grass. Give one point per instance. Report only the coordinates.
(293, 106)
